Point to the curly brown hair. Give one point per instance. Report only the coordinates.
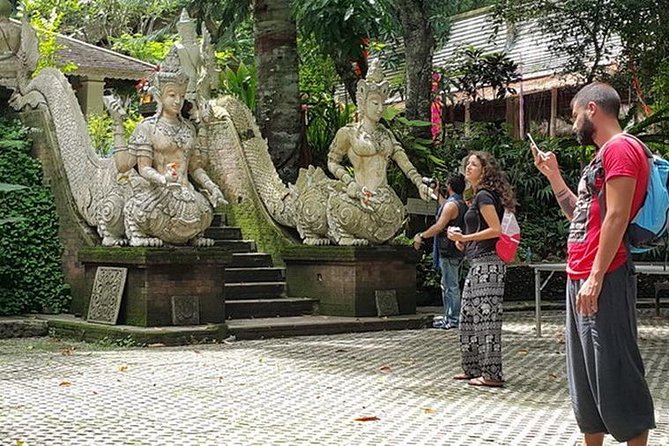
(494, 179)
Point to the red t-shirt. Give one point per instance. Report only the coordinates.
(621, 156)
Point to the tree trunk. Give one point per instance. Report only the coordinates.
(419, 45)
(277, 97)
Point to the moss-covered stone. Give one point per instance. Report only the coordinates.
(154, 256)
(258, 226)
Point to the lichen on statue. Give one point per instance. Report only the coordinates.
(365, 209)
(165, 207)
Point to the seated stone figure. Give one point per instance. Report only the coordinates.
(164, 206)
(10, 42)
(364, 209)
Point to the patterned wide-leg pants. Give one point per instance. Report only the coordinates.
(481, 318)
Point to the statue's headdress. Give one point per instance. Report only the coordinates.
(169, 71)
(186, 25)
(373, 83)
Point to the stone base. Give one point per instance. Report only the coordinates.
(157, 277)
(346, 279)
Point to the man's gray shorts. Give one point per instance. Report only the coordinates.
(604, 368)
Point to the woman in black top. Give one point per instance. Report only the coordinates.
(481, 311)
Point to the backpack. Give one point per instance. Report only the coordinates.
(509, 239)
(648, 228)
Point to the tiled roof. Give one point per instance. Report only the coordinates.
(99, 62)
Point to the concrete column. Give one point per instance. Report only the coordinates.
(92, 90)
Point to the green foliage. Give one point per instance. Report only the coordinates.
(324, 117)
(101, 130)
(143, 47)
(31, 278)
(317, 71)
(47, 24)
(241, 83)
(472, 70)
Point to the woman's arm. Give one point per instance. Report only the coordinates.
(494, 229)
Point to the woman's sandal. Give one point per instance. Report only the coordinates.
(482, 382)
(464, 376)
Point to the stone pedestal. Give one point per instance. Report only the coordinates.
(162, 279)
(348, 279)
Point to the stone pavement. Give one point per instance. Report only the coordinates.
(303, 391)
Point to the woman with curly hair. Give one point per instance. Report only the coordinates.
(481, 310)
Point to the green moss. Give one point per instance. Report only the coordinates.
(141, 255)
(257, 226)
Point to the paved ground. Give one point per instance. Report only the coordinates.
(302, 391)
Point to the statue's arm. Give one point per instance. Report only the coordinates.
(200, 177)
(400, 157)
(145, 167)
(336, 154)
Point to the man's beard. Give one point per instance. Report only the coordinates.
(584, 133)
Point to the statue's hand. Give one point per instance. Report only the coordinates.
(367, 197)
(214, 194)
(426, 193)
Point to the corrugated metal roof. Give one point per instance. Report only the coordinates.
(527, 45)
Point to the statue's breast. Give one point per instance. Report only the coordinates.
(377, 143)
(169, 138)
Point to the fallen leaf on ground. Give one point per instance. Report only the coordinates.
(428, 410)
(157, 344)
(65, 384)
(30, 347)
(523, 351)
(67, 351)
(123, 368)
(553, 375)
(367, 419)
(385, 369)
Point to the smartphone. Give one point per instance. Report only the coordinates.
(535, 148)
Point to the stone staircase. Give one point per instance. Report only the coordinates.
(254, 287)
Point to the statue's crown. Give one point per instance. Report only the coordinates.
(169, 71)
(374, 82)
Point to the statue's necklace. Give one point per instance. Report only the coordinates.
(177, 133)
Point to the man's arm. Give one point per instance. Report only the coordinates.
(619, 195)
(448, 213)
(548, 165)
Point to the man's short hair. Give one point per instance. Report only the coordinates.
(457, 183)
(604, 95)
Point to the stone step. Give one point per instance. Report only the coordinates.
(220, 219)
(236, 246)
(277, 327)
(265, 308)
(251, 260)
(261, 274)
(258, 290)
(22, 327)
(223, 233)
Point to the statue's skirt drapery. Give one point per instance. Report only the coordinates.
(174, 214)
(349, 219)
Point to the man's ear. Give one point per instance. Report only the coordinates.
(591, 108)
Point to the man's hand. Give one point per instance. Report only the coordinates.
(547, 163)
(587, 297)
(417, 242)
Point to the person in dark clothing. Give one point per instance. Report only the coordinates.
(481, 312)
(446, 255)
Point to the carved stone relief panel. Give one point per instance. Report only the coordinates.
(106, 295)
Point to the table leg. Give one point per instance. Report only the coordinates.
(537, 300)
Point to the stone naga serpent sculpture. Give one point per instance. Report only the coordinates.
(357, 208)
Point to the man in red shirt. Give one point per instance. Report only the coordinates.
(605, 371)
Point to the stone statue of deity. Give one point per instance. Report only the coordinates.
(161, 155)
(364, 208)
(18, 50)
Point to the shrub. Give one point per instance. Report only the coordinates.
(31, 278)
